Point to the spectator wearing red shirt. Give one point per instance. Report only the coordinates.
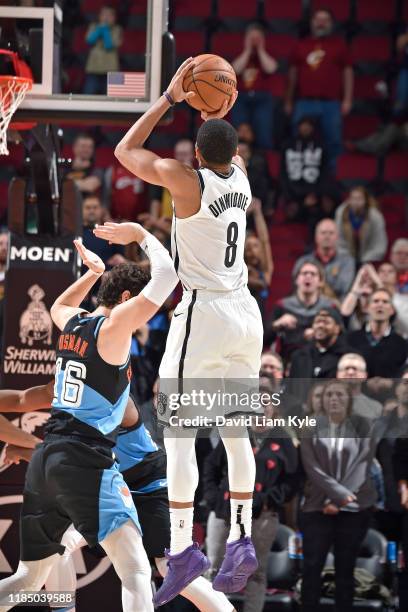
(255, 103)
(127, 194)
(321, 78)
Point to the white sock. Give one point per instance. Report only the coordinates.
(241, 519)
(181, 523)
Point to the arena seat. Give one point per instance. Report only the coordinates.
(179, 125)
(104, 157)
(365, 48)
(133, 42)
(280, 45)
(273, 163)
(79, 44)
(359, 126)
(396, 166)
(375, 15)
(365, 87)
(278, 84)
(94, 6)
(372, 558)
(189, 43)
(232, 8)
(356, 167)
(289, 10)
(227, 44)
(186, 8)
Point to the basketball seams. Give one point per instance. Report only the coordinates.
(198, 93)
(213, 86)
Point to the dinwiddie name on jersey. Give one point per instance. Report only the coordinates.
(229, 200)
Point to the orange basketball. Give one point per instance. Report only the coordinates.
(213, 80)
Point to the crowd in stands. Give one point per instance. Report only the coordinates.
(336, 336)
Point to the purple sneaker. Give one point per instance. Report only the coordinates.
(238, 565)
(183, 568)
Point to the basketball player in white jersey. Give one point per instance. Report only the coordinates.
(216, 331)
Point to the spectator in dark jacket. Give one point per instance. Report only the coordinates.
(276, 482)
(400, 474)
(291, 320)
(320, 357)
(339, 269)
(384, 350)
(338, 495)
(307, 187)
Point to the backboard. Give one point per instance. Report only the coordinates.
(57, 47)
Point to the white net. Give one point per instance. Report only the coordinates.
(12, 93)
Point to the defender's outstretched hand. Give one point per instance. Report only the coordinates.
(224, 110)
(120, 233)
(90, 259)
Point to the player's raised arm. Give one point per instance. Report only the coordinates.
(13, 435)
(35, 398)
(179, 179)
(67, 304)
(115, 335)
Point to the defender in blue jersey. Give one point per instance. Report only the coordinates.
(143, 466)
(73, 477)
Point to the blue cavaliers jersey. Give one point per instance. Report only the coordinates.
(90, 395)
(141, 461)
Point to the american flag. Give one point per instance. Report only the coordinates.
(126, 84)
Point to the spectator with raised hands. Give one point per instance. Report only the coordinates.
(388, 277)
(255, 103)
(105, 37)
(354, 307)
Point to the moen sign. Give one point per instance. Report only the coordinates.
(39, 269)
(36, 253)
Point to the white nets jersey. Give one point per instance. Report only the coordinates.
(208, 247)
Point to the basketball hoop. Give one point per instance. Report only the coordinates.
(12, 92)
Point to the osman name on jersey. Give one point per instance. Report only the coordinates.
(229, 200)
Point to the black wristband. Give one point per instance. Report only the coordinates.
(168, 98)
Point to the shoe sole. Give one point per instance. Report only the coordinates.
(241, 575)
(204, 566)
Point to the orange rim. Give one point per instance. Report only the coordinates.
(5, 79)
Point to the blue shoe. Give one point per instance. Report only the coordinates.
(239, 564)
(183, 568)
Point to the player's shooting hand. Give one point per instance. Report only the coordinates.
(90, 259)
(175, 89)
(224, 110)
(120, 233)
